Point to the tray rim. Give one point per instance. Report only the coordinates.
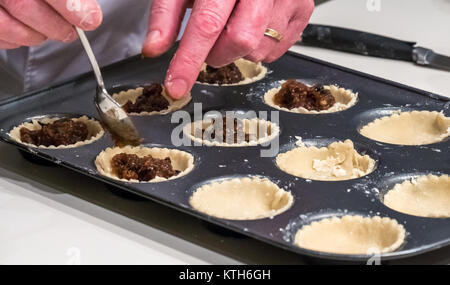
(220, 222)
(48, 87)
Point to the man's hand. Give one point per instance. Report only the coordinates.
(31, 22)
(221, 31)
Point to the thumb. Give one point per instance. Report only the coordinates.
(85, 14)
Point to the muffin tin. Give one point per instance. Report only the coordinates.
(313, 200)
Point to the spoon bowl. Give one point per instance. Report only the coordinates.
(112, 115)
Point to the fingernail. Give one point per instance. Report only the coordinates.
(91, 20)
(153, 36)
(177, 88)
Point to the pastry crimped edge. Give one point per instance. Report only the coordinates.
(280, 159)
(336, 91)
(103, 161)
(243, 64)
(401, 232)
(94, 127)
(132, 94)
(417, 181)
(263, 181)
(274, 132)
(399, 114)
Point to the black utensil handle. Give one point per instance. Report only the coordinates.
(357, 42)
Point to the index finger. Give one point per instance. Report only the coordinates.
(85, 14)
(208, 18)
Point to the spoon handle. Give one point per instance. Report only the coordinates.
(91, 57)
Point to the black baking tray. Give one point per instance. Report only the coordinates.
(312, 199)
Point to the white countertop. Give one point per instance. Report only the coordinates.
(46, 220)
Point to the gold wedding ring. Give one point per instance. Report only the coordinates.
(273, 34)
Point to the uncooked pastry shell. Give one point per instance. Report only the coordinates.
(345, 99)
(409, 128)
(246, 198)
(182, 161)
(352, 235)
(251, 72)
(274, 131)
(94, 128)
(132, 94)
(425, 196)
(338, 161)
